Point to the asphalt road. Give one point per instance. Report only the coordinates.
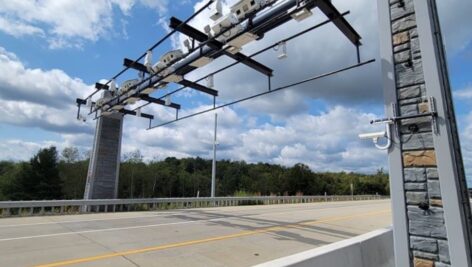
(228, 236)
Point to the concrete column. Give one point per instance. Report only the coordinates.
(103, 173)
(425, 170)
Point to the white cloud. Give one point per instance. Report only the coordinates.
(39, 98)
(53, 88)
(19, 29)
(67, 23)
(17, 150)
(327, 141)
(464, 94)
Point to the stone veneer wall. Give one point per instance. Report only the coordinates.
(102, 180)
(427, 232)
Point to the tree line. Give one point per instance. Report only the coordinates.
(53, 175)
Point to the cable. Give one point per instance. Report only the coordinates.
(266, 93)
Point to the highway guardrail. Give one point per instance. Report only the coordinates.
(57, 207)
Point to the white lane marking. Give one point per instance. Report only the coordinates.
(106, 230)
(91, 220)
(163, 224)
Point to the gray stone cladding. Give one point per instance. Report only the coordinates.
(427, 231)
(107, 154)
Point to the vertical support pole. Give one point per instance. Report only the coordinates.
(431, 212)
(352, 191)
(269, 83)
(358, 53)
(103, 172)
(452, 182)
(400, 223)
(213, 166)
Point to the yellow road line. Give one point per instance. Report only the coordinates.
(206, 240)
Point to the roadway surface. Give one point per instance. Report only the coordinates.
(227, 236)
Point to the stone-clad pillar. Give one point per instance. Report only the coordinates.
(430, 212)
(103, 173)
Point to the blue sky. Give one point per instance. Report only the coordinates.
(54, 51)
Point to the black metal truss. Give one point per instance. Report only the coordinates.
(140, 67)
(198, 87)
(134, 113)
(169, 34)
(217, 45)
(332, 13)
(81, 102)
(294, 36)
(183, 66)
(134, 65)
(158, 101)
(210, 47)
(101, 86)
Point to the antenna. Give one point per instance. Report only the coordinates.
(210, 81)
(282, 48)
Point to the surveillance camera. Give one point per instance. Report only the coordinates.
(375, 135)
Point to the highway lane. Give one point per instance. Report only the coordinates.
(226, 236)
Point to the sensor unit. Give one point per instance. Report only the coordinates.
(148, 90)
(216, 10)
(173, 78)
(118, 107)
(171, 56)
(301, 14)
(224, 23)
(201, 62)
(243, 39)
(245, 7)
(131, 100)
(231, 49)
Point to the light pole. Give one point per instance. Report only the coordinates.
(213, 167)
(352, 191)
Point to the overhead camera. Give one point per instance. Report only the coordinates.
(376, 135)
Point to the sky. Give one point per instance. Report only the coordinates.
(52, 52)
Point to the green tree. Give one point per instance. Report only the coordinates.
(38, 179)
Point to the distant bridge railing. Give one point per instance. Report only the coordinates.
(55, 207)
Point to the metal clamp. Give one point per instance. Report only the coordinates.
(394, 121)
(432, 113)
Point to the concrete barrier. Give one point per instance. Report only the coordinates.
(367, 250)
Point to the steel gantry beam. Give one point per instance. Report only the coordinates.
(101, 86)
(209, 47)
(199, 87)
(158, 101)
(80, 102)
(217, 45)
(140, 67)
(343, 25)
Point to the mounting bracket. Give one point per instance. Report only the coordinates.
(432, 113)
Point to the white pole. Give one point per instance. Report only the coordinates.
(213, 168)
(352, 191)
